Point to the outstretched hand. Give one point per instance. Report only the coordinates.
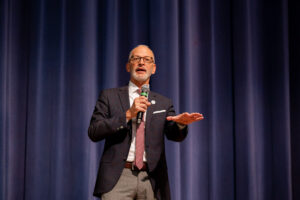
(186, 118)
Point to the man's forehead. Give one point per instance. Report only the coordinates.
(142, 51)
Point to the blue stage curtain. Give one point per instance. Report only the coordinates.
(235, 61)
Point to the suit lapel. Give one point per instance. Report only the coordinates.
(124, 98)
(150, 110)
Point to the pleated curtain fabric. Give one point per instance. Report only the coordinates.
(235, 61)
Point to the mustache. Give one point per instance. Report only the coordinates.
(140, 69)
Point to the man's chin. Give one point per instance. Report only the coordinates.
(140, 78)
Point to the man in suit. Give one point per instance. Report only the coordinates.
(133, 163)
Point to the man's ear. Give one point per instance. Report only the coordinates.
(127, 67)
(154, 69)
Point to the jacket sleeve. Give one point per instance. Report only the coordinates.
(172, 130)
(103, 124)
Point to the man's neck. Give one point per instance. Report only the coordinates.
(139, 84)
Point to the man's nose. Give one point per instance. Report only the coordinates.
(141, 60)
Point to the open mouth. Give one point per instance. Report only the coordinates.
(140, 70)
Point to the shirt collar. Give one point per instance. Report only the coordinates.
(132, 87)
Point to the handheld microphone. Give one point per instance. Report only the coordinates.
(144, 92)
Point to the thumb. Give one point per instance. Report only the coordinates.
(169, 118)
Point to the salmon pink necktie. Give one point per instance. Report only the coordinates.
(140, 143)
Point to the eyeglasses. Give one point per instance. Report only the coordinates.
(137, 59)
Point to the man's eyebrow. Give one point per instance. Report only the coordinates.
(141, 56)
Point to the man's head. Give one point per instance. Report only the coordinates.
(141, 65)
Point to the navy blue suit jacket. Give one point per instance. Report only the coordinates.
(109, 122)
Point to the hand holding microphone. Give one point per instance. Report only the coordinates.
(139, 105)
(144, 93)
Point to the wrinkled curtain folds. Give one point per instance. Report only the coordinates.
(235, 61)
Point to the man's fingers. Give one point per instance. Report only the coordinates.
(186, 118)
(142, 97)
(199, 118)
(173, 118)
(169, 118)
(141, 107)
(141, 104)
(196, 115)
(143, 101)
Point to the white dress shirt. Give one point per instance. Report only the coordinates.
(133, 93)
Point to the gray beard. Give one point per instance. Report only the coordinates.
(138, 78)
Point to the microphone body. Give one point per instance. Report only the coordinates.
(144, 92)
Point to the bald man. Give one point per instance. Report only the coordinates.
(133, 164)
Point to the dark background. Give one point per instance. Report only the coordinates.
(235, 61)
